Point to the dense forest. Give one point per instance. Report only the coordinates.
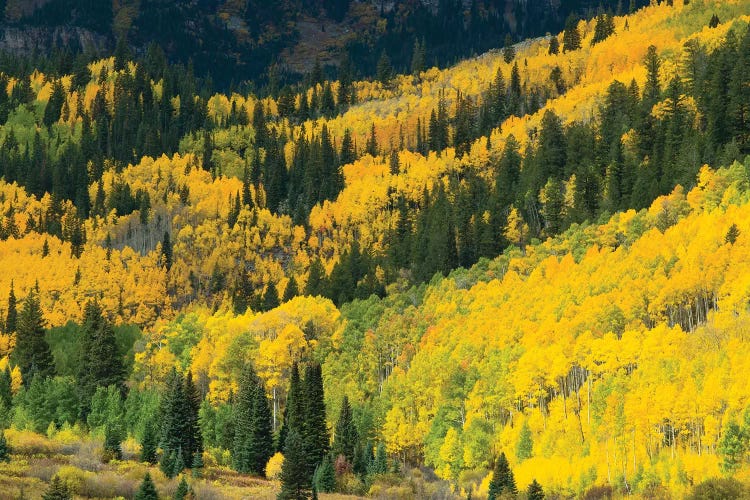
(523, 274)
(236, 42)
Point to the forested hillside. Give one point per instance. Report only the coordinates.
(525, 272)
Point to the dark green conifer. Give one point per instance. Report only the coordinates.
(345, 434)
(502, 479)
(147, 490)
(32, 353)
(57, 490)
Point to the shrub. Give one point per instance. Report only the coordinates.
(73, 477)
(726, 488)
(273, 467)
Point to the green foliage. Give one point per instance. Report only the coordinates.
(345, 436)
(324, 478)
(295, 482)
(182, 490)
(732, 447)
(253, 440)
(57, 490)
(100, 363)
(4, 447)
(112, 440)
(534, 491)
(718, 489)
(46, 401)
(502, 479)
(147, 490)
(32, 353)
(525, 445)
(149, 443)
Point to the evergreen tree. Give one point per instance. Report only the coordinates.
(384, 70)
(112, 448)
(324, 479)
(32, 353)
(502, 479)
(270, 298)
(571, 35)
(534, 491)
(149, 443)
(192, 438)
(372, 142)
(6, 392)
(291, 290)
(253, 441)
(57, 490)
(345, 435)
(99, 363)
(166, 250)
(4, 448)
(315, 428)
(524, 448)
(182, 490)
(509, 52)
(380, 463)
(295, 481)
(55, 104)
(316, 279)
(347, 155)
(180, 432)
(554, 46)
(147, 490)
(418, 58)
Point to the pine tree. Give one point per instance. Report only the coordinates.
(554, 46)
(99, 363)
(524, 448)
(149, 443)
(372, 142)
(291, 290)
(509, 52)
(6, 392)
(182, 490)
(166, 250)
(270, 298)
(418, 58)
(57, 490)
(384, 70)
(55, 104)
(32, 353)
(347, 154)
(253, 441)
(571, 35)
(502, 479)
(315, 428)
(147, 491)
(112, 439)
(534, 491)
(294, 411)
(4, 448)
(295, 481)
(345, 434)
(192, 438)
(324, 479)
(731, 237)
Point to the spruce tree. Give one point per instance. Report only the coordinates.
(509, 52)
(99, 362)
(294, 411)
(166, 250)
(11, 318)
(295, 481)
(502, 479)
(345, 434)
(571, 35)
(270, 297)
(554, 46)
(291, 290)
(32, 353)
(534, 491)
(315, 428)
(253, 441)
(112, 439)
(57, 490)
(182, 490)
(4, 447)
(324, 479)
(147, 490)
(149, 443)
(6, 386)
(192, 438)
